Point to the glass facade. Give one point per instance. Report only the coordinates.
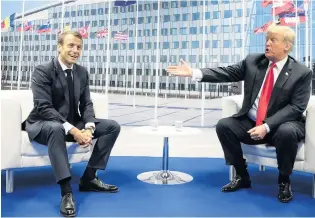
(160, 33)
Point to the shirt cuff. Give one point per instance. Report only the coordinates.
(196, 75)
(87, 125)
(67, 126)
(267, 127)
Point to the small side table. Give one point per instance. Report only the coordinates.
(164, 176)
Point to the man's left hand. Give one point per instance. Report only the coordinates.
(87, 132)
(258, 132)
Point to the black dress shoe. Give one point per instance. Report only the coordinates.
(236, 184)
(67, 206)
(285, 194)
(96, 185)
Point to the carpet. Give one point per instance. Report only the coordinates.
(36, 194)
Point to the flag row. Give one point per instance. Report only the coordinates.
(288, 13)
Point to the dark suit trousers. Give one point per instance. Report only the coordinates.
(53, 135)
(233, 130)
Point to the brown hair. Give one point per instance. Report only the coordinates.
(62, 36)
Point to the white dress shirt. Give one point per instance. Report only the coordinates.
(66, 125)
(252, 114)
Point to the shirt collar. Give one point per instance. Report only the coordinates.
(280, 64)
(63, 66)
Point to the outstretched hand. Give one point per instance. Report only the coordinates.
(180, 70)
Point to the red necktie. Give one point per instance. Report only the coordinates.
(265, 96)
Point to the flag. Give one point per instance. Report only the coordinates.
(299, 9)
(282, 7)
(102, 33)
(306, 2)
(263, 28)
(121, 35)
(265, 3)
(124, 3)
(291, 19)
(44, 28)
(65, 28)
(26, 27)
(275, 3)
(8, 22)
(84, 32)
(279, 3)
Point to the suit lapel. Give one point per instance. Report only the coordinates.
(282, 78)
(259, 78)
(62, 78)
(76, 84)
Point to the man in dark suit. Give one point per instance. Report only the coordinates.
(276, 93)
(63, 111)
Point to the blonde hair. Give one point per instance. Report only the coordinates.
(287, 32)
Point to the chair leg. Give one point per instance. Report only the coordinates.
(9, 181)
(262, 168)
(313, 186)
(232, 173)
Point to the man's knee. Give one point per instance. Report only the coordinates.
(55, 128)
(116, 126)
(111, 126)
(286, 133)
(222, 125)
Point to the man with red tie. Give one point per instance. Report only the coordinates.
(276, 93)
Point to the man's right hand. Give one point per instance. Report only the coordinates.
(83, 139)
(181, 70)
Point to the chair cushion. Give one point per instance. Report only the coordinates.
(263, 150)
(36, 149)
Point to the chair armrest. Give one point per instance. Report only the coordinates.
(310, 137)
(100, 103)
(11, 119)
(231, 105)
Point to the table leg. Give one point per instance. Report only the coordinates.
(165, 155)
(164, 176)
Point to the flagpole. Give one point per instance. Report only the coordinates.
(12, 70)
(99, 63)
(126, 66)
(118, 66)
(62, 15)
(6, 72)
(157, 61)
(136, 58)
(273, 11)
(311, 34)
(126, 69)
(306, 34)
(107, 50)
(243, 37)
(31, 51)
(89, 44)
(110, 72)
(203, 64)
(296, 47)
(21, 44)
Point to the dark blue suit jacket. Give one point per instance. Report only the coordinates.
(290, 94)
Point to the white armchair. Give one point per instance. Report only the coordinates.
(17, 151)
(266, 155)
